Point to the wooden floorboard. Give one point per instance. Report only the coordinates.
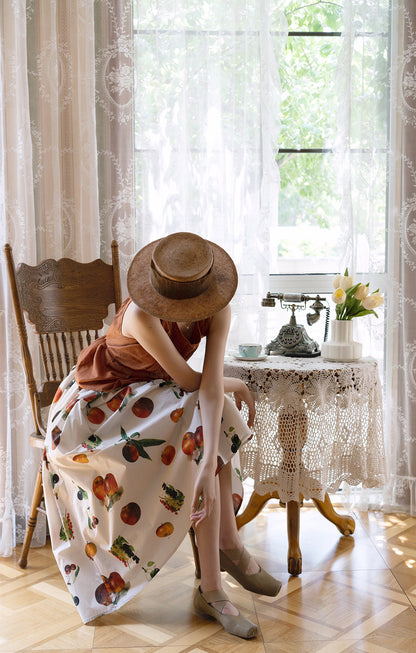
(356, 595)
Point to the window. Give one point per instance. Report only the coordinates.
(332, 149)
(323, 133)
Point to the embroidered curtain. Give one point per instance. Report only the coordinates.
(66, 181)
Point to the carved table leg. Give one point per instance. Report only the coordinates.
(294, 555)
(344, 523)
(254, 506)
(292, 433)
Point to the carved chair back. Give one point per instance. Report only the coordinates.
(66, 302)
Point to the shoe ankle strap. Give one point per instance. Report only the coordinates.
(215, 596)
(242, 557)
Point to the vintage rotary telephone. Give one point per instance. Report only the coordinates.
(292, 339)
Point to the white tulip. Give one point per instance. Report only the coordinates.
(361, 292)
(337, 279)
(369, 303)
(346, 282)
(379, 299)
(372, 301)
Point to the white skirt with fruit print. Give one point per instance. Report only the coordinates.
(118, 474)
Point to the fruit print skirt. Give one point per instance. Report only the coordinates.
(118, 474)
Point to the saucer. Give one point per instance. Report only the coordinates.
(250, 358)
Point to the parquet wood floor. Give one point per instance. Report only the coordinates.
(356, 594)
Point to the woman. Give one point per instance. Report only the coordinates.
(139, 444)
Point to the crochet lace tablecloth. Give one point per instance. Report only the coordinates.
(318, 423)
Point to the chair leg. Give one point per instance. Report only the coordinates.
(195, 552)
(36, 500)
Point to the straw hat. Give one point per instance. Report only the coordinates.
(182, 277)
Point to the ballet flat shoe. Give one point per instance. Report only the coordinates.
(233, 624)
(260, 583)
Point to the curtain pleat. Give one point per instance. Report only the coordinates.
(401, 404)
(18, 464)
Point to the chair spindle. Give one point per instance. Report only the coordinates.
(72, 341)
(66, 353)
(51, 356)
(58, 355)
(44, 357)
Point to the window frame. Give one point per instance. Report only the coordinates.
(314, 282)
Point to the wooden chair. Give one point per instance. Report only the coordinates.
(66, 302)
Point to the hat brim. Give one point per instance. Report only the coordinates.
(217, 296)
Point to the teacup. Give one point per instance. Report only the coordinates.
(249, 350)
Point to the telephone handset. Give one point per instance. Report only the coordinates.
(292, 339)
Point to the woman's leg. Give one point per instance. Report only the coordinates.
(207, 535)
(229, 537)
(233, 556)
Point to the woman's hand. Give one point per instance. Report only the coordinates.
(204, 494)
(241, 394)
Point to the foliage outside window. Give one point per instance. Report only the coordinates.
(312, 154)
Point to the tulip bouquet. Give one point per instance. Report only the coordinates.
(354, 300)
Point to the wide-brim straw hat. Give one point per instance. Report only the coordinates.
(182, 278)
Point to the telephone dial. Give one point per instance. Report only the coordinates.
(292, 339)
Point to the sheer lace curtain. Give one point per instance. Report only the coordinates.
(361, 160)
(207, 94)
(393, 262)
(365, 161)
(202, 163)
(66, 180)
(362, 93)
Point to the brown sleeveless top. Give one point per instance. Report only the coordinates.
(113, 361)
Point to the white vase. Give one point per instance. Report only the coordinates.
(341, 346)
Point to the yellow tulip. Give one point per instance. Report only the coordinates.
(339, 296)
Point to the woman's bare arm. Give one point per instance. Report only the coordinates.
(241, 394)
(211, 400)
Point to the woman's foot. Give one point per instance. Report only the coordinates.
(215, 604)
(245, 570)
(226, 608)
(235, 554)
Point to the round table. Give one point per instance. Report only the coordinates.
(318, 423)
